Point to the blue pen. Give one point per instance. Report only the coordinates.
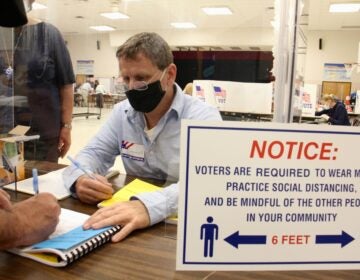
(35, 181)
(78, 165)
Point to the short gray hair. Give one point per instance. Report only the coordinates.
(151, 45)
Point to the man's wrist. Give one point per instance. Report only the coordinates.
(66, 125)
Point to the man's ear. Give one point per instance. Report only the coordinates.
(172, 70)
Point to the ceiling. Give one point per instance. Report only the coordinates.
(75, 16)
(321, 19)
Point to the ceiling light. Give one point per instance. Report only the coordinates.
(102, 28)
(183, 25)
(114, 15)
(38, 6)
(344, 8)
(215, 11)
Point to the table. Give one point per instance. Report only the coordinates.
(246, 116)
(145, 254)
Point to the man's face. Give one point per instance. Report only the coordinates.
(140, 69)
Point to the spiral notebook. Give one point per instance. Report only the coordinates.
(69, 242)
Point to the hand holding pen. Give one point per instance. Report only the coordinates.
(91, 188)
(35, 181)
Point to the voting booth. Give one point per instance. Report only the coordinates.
(235, 96)
(309, 95)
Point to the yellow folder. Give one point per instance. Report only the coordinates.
(133, 188)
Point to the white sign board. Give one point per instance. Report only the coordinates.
(336, 72)
(85, 67)
(235, 96)
(260, 196)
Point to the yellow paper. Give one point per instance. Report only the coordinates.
(133, 188)
(47, 257)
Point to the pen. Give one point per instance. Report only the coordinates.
(35, 181)
(112, 174)
(11, 168)
(15, 181)
(78, 165)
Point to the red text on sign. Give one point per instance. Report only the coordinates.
(292, 150)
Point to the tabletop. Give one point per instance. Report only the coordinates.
(145, 254)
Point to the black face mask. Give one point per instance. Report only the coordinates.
(146, 100)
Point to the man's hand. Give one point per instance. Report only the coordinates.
(325, 117)
(36, 218)
(64, 141)
(131, 215)
(92, 191)
(4, 200)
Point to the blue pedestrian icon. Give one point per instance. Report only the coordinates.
(209, 232)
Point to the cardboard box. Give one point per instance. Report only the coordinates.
(12, 165)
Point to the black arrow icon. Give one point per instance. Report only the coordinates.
(343, 239)
(235, 239)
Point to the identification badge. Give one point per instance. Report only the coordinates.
(132, 150)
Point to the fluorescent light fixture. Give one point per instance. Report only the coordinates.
(344, 8)
(102, 28)
(216, 11)
(114, 15)
(183, 25)
(38, 6)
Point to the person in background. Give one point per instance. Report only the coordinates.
(188, 89)
(86, 87)
(27, 222)
(334, 111)
(145, 131)
(99, 91)
(43, 74)
(34, 219)
(86, 90)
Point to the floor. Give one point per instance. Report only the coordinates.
(82, 131)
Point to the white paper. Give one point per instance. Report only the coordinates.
(51, 182)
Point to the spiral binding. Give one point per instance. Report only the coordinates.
(91, 244)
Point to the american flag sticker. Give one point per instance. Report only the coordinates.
(220, 94)
(199, 91)
(132, 150)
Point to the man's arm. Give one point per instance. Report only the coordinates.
(67, 103)
(29, 221)
(98, 155)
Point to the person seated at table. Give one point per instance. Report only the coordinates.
(145, 131)
(27, 222)
(334, 111)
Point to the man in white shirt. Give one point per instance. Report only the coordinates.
(145, 131)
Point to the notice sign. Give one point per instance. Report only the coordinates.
(263, 196)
